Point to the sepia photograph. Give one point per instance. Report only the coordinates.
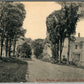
(41, 41)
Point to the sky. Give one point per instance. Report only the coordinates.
(35, 21)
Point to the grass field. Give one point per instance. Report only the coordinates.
(12, 70)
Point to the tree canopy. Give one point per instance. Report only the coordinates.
(12, 15)
(61, 24)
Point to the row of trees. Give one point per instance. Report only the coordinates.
(61, 24)
(12, 15)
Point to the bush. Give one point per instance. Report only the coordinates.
(25, 50)
(38, 46)
(53, 61)
(38, 51)
(55, 53)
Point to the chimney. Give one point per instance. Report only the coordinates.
(78, 34)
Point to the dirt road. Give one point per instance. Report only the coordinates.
(39, 71)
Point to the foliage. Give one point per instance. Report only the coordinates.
(61, 24)
(27, 50)
(55, 52)
(72, 17)
(36, 42)
(38, 50)
(12, 15)
(38, 46)
(56, 28)
(24, 50)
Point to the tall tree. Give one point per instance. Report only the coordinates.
(62, 24)
(3, 14)
(56, 28)
(72, 16)
(14, 14)
(17, 35)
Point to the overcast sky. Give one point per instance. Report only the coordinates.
(36, 13)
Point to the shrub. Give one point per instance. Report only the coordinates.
(64, 60)
(38, 50)
(53, 61)
(38, 46)
(25, 50)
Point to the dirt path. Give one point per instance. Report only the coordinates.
(39, 71)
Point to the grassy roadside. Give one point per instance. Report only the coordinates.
(12, 70)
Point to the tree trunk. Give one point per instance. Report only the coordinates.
(2, 40)
(54, 51)
(10, 48)
(14, 46)
(57, 51)
(68, 50)
(60, 50)
(6, 46)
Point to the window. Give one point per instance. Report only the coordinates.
(76, 46)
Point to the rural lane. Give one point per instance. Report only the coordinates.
(39, 71)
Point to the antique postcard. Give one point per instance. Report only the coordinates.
(41, 41)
